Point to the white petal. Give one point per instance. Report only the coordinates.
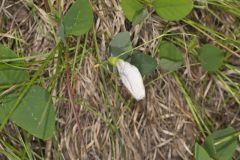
(132, 79)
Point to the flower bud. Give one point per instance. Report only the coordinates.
(131, 78)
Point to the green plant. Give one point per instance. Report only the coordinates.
(27, 105)
(14, 72)
(121, 47)
(211, 57)
(79, 18)
(219, 145)
(171, 58)
(136, 10)
(34, 112)
(25, 99)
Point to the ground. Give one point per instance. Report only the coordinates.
(108, 123)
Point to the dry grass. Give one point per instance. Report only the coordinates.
(112, 124)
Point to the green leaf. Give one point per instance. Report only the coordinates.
(120, 44)
(200, 153)
(224, 150)
(173, 9)
(209, 146)
(10, 73)
(171, 58)
(139, 18)
(170, 51)
(131, 8)
(145, 63)
(211, 57)
(35, 113)
(169, 65)
(78, 19)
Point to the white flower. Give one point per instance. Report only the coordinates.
(131, 78)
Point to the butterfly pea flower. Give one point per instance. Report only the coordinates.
(131, 78)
